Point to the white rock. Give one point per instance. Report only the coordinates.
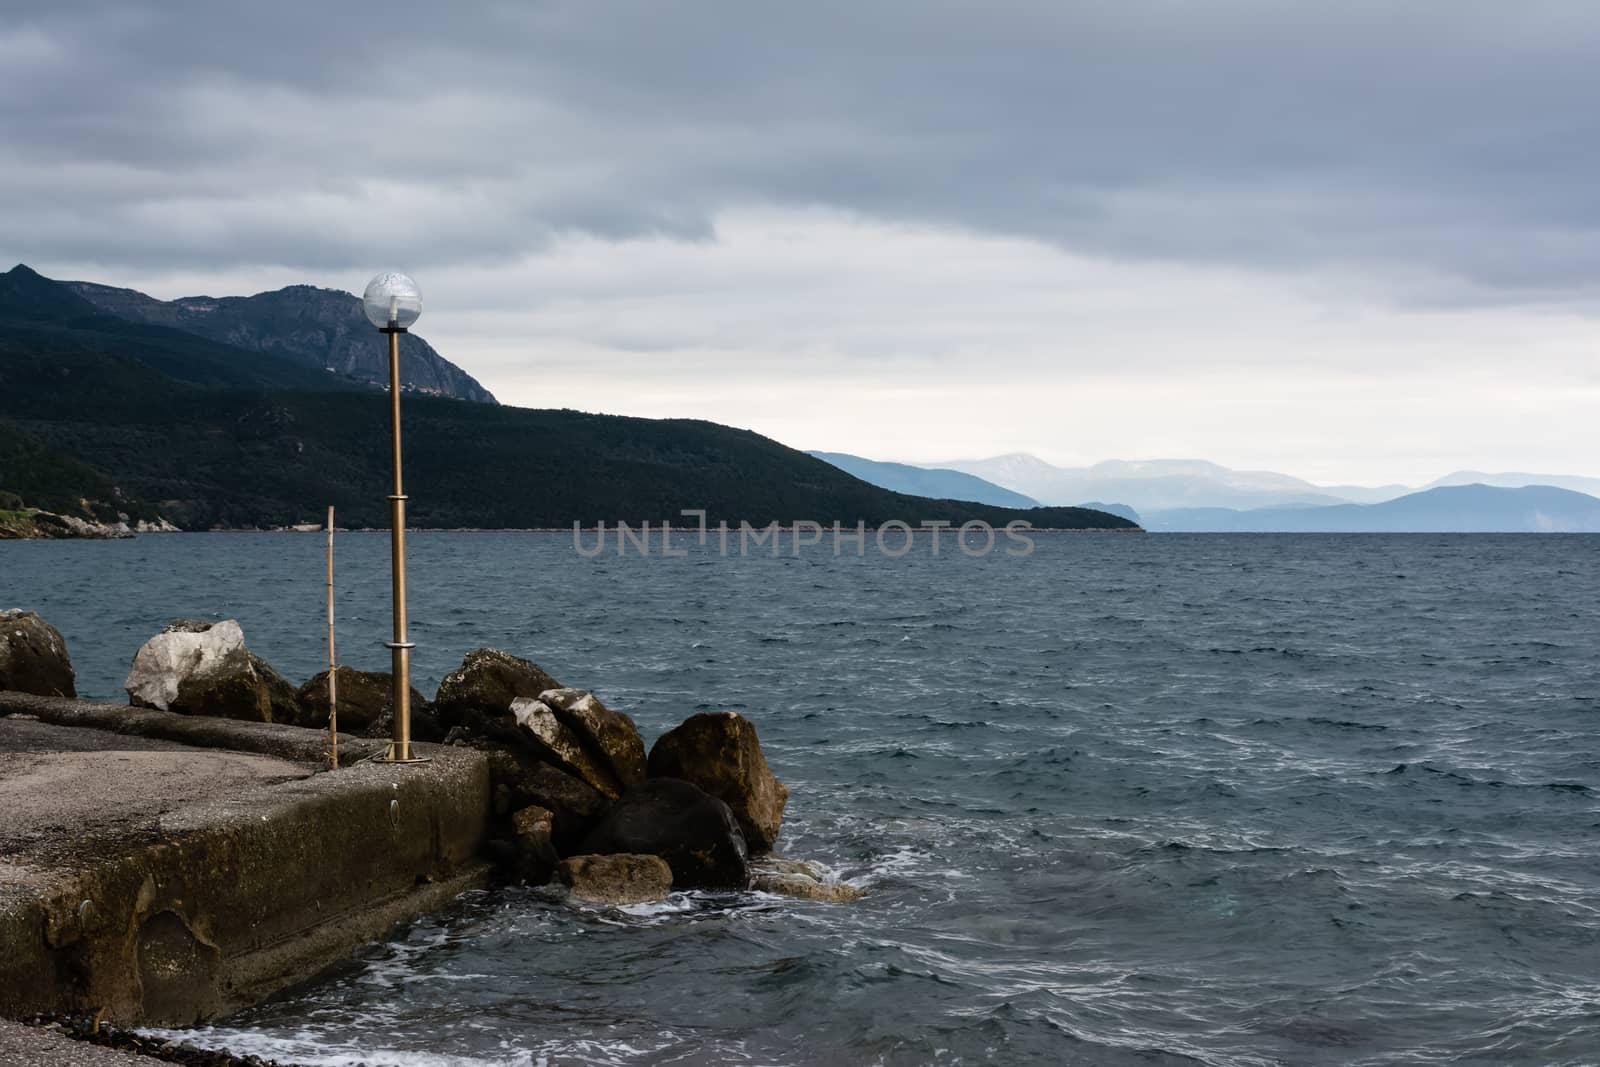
(168, 658)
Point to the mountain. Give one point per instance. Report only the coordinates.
(1370, 494)
(1447, 509)
(1115, 509)
(1161, 485)
(105, 418)
(320, 329)
(43, 319)
(1514, 480)
(927, 481)
(1149, 485)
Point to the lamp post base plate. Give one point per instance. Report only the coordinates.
(391, 757)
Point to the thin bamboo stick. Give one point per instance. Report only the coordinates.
(333, 662)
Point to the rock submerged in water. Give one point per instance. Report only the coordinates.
(694, 832)
(365, 697)
(719, 752)
(800, 878)
(616, 878)
(33, 656)
(202, 668)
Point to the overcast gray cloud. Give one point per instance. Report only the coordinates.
(1453, 134)
(525, 159)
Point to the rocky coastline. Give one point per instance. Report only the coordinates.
(578, 799)
(574, 799)
(35, 524)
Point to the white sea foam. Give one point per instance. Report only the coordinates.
(315, 1050)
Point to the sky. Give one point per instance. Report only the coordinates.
(1356, 242)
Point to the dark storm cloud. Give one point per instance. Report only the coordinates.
(1452, 136)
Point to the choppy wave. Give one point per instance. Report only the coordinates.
(1163, 800)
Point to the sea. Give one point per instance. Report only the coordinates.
(1161, 799)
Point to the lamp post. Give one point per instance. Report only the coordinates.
(392, 303)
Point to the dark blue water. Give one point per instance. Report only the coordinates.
(1130, 800)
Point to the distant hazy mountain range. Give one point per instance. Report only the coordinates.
(1153, 485)
(1196, 495)
(927, 481)
(322, 329)
(1447, 509)
(1510, 480)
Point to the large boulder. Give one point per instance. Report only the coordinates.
(616, 879)
(364, 698)
(559, 744)
(719, 752)
(203, 668)
(610, 733)
(33, 656)
(694, 832)
(483, 687)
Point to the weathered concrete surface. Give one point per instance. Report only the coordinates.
(190, 900)
(30, 1046)
(270, 739)
(60, 785)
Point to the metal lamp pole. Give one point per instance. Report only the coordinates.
(392, 303)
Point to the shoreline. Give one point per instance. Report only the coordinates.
(789, 529)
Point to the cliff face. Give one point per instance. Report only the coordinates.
(321, 328)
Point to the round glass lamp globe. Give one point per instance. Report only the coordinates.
(392, 299)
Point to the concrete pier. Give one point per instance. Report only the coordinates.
(169, 869)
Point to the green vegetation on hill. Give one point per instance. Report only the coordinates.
(33, 476)
(90, 411)
(48, 320)
(236, 459)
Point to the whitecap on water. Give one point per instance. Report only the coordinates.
(310, 1049)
